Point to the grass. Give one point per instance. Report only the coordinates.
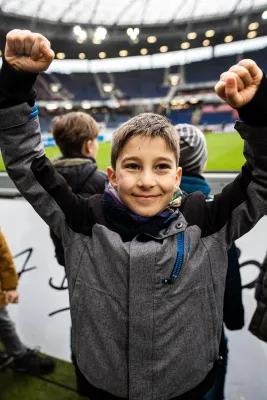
(59, 385)
(225, 153)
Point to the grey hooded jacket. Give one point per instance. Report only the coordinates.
(133, 335)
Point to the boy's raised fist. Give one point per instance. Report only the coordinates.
(240, 83)
(28, 51)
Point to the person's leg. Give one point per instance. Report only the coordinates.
(8, 335)
(23, 359)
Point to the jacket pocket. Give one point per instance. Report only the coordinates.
(101, 340)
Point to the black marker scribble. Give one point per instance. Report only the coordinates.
(24, 269)
(58, 311)
(250, 285)
(62, 286)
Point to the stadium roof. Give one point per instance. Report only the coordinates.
(128, 12)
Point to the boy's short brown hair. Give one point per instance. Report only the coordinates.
(146, 125)
(71, 130)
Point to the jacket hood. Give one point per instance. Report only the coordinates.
(76, 171)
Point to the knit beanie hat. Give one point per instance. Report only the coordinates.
(193, 148)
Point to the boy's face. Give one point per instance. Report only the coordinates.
(146, 175)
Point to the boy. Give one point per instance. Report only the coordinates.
(76, 135)
(193, 160)
(146, 266)
(23, 359)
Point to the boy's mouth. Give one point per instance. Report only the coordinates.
(146, 197)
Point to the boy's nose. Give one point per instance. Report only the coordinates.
(146, 180)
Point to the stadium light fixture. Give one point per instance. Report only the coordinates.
(253, 26)
(185, 45)
(100, 33)
(55, 87)
(86, 105)
(82, 56)
(61, 56)
(143, 52)
(80, 34)
(108, 87)
(68, 106)
(123, 53)
(163, 49)
(210, 33)
(206, 42)
(251, 34)
(96, 41)
(174, 79)
(192, 35)
(228, 39)
(76, 30)
(83, 34)
(52, 106)
(133, 33)
(264, 15)
(102, 54)
(151, 39)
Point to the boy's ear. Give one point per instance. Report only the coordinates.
(178, 176)
(112, 177)
(87, 147)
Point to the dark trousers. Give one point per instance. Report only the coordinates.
(217, 391)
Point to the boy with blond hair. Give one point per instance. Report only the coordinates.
(146, 265)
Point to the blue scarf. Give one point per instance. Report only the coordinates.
(128, 224)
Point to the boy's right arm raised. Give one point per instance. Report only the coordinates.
(26, 55)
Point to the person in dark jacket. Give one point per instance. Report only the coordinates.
(76, 135)
(193, 160)
(258, 323)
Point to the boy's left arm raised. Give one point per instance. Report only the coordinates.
(27, 54)
(243, 202)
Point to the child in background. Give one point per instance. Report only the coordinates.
(193, 160)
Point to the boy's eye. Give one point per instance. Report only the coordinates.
(132, 166)
(163, 166)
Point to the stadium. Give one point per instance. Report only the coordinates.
(113, 61)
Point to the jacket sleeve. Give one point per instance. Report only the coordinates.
(258, 324)
(27, 165)
(244, 201)
(233, 310)
(8, 273)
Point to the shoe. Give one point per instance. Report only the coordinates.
(5, 360)
(33, 363)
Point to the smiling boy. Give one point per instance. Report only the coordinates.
(146, 264)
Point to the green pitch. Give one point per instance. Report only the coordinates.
(225, 153)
